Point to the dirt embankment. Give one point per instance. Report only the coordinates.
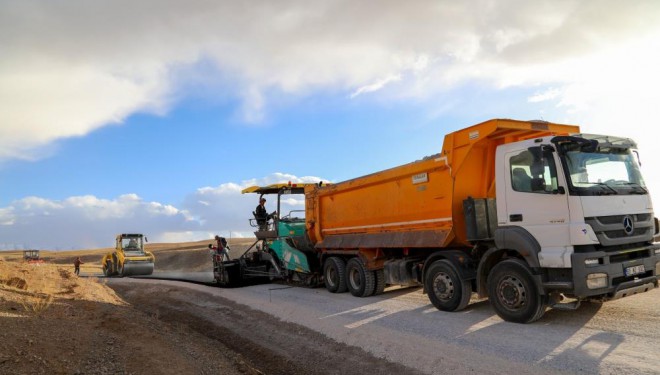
(52, 322)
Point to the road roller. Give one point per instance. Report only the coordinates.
(129, 257)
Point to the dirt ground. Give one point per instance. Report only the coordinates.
(54, 322)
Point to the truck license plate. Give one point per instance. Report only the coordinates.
(634, 270)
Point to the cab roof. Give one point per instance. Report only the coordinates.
(128, 235)
(294, 188)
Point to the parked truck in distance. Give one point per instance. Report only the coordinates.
(525, 213)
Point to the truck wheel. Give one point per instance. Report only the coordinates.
(513, 293)
(334, 275)
(445, 288)
(380, 282)
(360, 281)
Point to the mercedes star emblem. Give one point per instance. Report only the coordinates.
(628, 225)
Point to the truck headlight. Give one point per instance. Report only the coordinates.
(596, 280)
(657, 251)
(657, 269)
(591, 261)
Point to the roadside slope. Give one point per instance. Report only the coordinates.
(54, 322)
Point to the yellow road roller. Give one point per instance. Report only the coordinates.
(129, 257)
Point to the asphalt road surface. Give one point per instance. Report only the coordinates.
(618, 337)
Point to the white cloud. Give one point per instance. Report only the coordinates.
(376, 85)
(68, 68)
(7, 216)
(225, 209)
(278, 178)
(178, 237)
(85, 221)
(44, 101)
(91, 222)
(546, 95)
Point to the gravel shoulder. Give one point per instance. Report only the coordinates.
(268, 344)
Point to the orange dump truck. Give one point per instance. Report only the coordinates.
(523, 212)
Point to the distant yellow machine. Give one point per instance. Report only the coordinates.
(129, 257)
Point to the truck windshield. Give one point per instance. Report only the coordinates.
(602, 169)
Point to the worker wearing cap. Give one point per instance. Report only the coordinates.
(261, 214)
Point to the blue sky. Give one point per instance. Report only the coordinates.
(156, 125)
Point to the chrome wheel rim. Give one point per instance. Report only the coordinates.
(443, 287)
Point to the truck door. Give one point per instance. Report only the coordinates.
(537, 201)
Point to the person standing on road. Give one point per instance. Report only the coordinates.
(223, 248)
(76, 266)
(221, 252)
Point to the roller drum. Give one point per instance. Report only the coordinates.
(138, 268)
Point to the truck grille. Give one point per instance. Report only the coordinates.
(611, 232)
(618, 219)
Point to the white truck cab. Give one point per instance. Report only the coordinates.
(580, 207)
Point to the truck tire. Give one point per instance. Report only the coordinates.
(446, 290)
(360, 281)
(334, 275)
(380, 282)
(513, 293)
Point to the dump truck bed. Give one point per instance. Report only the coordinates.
(417, 205)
